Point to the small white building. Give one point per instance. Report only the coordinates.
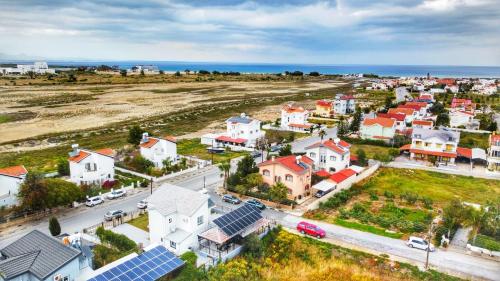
(91, 167)
(176, 216)
(37, 67)
(344, 104)
(157, 149)
(146, 69)
(295, 119)
(11, 179)
(493, 157)
(402, 94)
(331, 155)
(461, 118)
(241, 130)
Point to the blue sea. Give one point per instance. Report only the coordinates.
(381, 70)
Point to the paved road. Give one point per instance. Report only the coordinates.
(300, 145)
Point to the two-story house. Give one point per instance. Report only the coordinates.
(410, 113)
(399, 118)
(493, 157)
(11, 179)
(89, 167)
(344, 104)
(324, 109)
(241, 130)
(437, 146)
(157, 149)
(293, 171)
(176, 216)
(294, 118)
(38, 257)
(331, 155)
(461, 118)
(422, 124)
(378, 128)
(463, 105)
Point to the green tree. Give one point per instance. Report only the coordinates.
(254, 179)
(241, 189)
(123, 72)
(177, 73)
(286, 150)
(322, 134)
(342, 128)
(63, 167)
(388, 102)
(253, 246)
(62, 193)
(135, 134)
(33, 192)
(141, 164)
(278, 192)
(443, 119)
(356, 120)
(475, 219)
(437, 108)
(142, 72)
(360, 153)
(225, 167)
(54, 226)
(167, 164)
(246, 166)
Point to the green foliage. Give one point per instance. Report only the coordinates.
(135, 134)
(367, 228)
(33, 192)
(278, 192)
(141, 164)
(356, 120)
(117, 241)
(253, 246)
(246, 166)
(123, 72)
(443, 119)
(487, 242)
(254, 179)
(285, 150)
(63, 167)
(360, 153)
(410, 197)
(61, 193)
(189, 272)
(437, 108)
(54, 226)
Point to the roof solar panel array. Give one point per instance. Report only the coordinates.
(148, 266)
(237, 220)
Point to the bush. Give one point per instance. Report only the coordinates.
(54, 226)
(427, 202)
(388, 194)
(373, 195)
(118, 241)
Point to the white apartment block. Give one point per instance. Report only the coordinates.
(344, 104)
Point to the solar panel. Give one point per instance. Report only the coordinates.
(237, 220)
(147, 266)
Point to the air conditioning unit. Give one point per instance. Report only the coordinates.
(58, 277)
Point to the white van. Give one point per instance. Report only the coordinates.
(419, 243)
(92, 201)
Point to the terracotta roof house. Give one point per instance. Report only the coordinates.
(295, 119)
(91, 167)
(324, 108)
(157, 149)
(11, 179)
(331, 155)
(434, 145)
(378, 128)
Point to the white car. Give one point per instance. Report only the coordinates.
(419, 243)
(116, 194)
(143, 204)
(92, 201)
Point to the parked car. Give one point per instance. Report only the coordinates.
(322, 193)
(419, 243)
(256, 203)
(116, 194)
(275, 148)
(256, 154)
(114, 215)
(143, 204)
(231, 199)
(310, 229)
(92, 201)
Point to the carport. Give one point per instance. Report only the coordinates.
(472, 155)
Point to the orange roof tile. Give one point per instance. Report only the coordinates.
(342, 175)
(405, 111)
(79, 157)
(405, 147)
(384, 122)
(341, 148)
(322, 173)
(150, 143)
(465, 152)
(290, 162)
(324, 103)
(170, 138)
(304, 126)
(434, 153)
(290, 108)
(422, 122)
(14, 171)
(106, 152)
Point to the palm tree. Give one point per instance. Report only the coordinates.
(225, 167)
(475, 219)
(322, 134)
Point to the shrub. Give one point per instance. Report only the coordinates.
(118, 241)
(388, 194)
(54, 226)
(427, 202)
(373, 196)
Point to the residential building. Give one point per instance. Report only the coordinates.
(324, 108)
(176, 216)
(338, 181)
(293, 171)
(378, 128)
(37, 257)
(89, 167)
(421, 106)
(422, 124)
(11, 179)
(157, 150)
(241, 130)
(22, 69)
(146, 69)
(410, 113)
(461, 118)
(463, 105)
(434, 145)
(493, 157)
(398, 117)
(331, 155)
(295, 119)
(402, 94)
(344, 104)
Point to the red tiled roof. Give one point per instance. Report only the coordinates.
(422, 122)
(14, 171)
(384, 122)
(494, 139)
(342, 175)
(228, 139)
(405, 147)
(348, 97)
(150, 143)
(324, 103)
(339, 148)
(425, 97)
(353, 157)
(381, 137)
(344, 143)
(418, 103)
(434, 153)
(305, 126)
(106, 152)
(465, 152)
(397, 116)
(290, 162)
(412, 106)
(405, 111)
(447, 81)
(290, 108)
(81, 155)
(322, 173)
(170, 138)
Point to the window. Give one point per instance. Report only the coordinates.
(312, 155)
(266, 173)
(173, 245)
(289, 178)
(169, 220)
(333, 158)
(200, 220)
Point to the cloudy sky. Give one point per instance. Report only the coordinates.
(445, 32)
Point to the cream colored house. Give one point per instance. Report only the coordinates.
(378, 128)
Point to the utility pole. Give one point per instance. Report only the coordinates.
(428, 245)
(151, 185)
(204, 185)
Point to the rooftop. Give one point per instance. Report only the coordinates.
(14, 171)
(442, 134)
(384, 122)
(290, 162)
(169, 198)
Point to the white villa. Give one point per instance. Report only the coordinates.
(157, 149)
(331, 155)
(378, 128)
(434, 145)
(11, 179)
(295, 119)
(461, 118)
(37, 67)
(344, 104)
(91, 167)
(176, 216)
(242, 130)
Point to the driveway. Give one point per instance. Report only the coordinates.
(136, 234)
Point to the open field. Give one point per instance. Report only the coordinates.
(193, 147)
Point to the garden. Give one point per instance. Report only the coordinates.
(194, 147)
(400, 202)
(113, 247)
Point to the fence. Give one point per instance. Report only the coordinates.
(114, 222)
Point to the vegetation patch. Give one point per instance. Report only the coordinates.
(193, 147)
(59, 99)
(473, 140)
(16, 116)
(142, 222)
(113, 247)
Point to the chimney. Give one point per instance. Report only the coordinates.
(298, 158)
(75, 150)
(145, 137)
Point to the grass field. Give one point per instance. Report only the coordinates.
(141, 222)
(473, 140)
(486, 242)
(367, 228)
(370, 150)
(193, 147)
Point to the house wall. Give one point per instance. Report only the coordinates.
(250, 131)
(434, 144)
(323, 159)
(9, 187)
(344, 106)
(70, 270)
(293, 118)
(162, 150)
(460, 119)
(105, 170)
(323, 111)
(493, 158)
(299, 187)
(369, 132)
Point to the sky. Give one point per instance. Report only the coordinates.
(409, 32)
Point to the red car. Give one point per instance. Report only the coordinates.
(310, 229)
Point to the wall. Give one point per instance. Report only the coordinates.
(9, 187)
(105, 169)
